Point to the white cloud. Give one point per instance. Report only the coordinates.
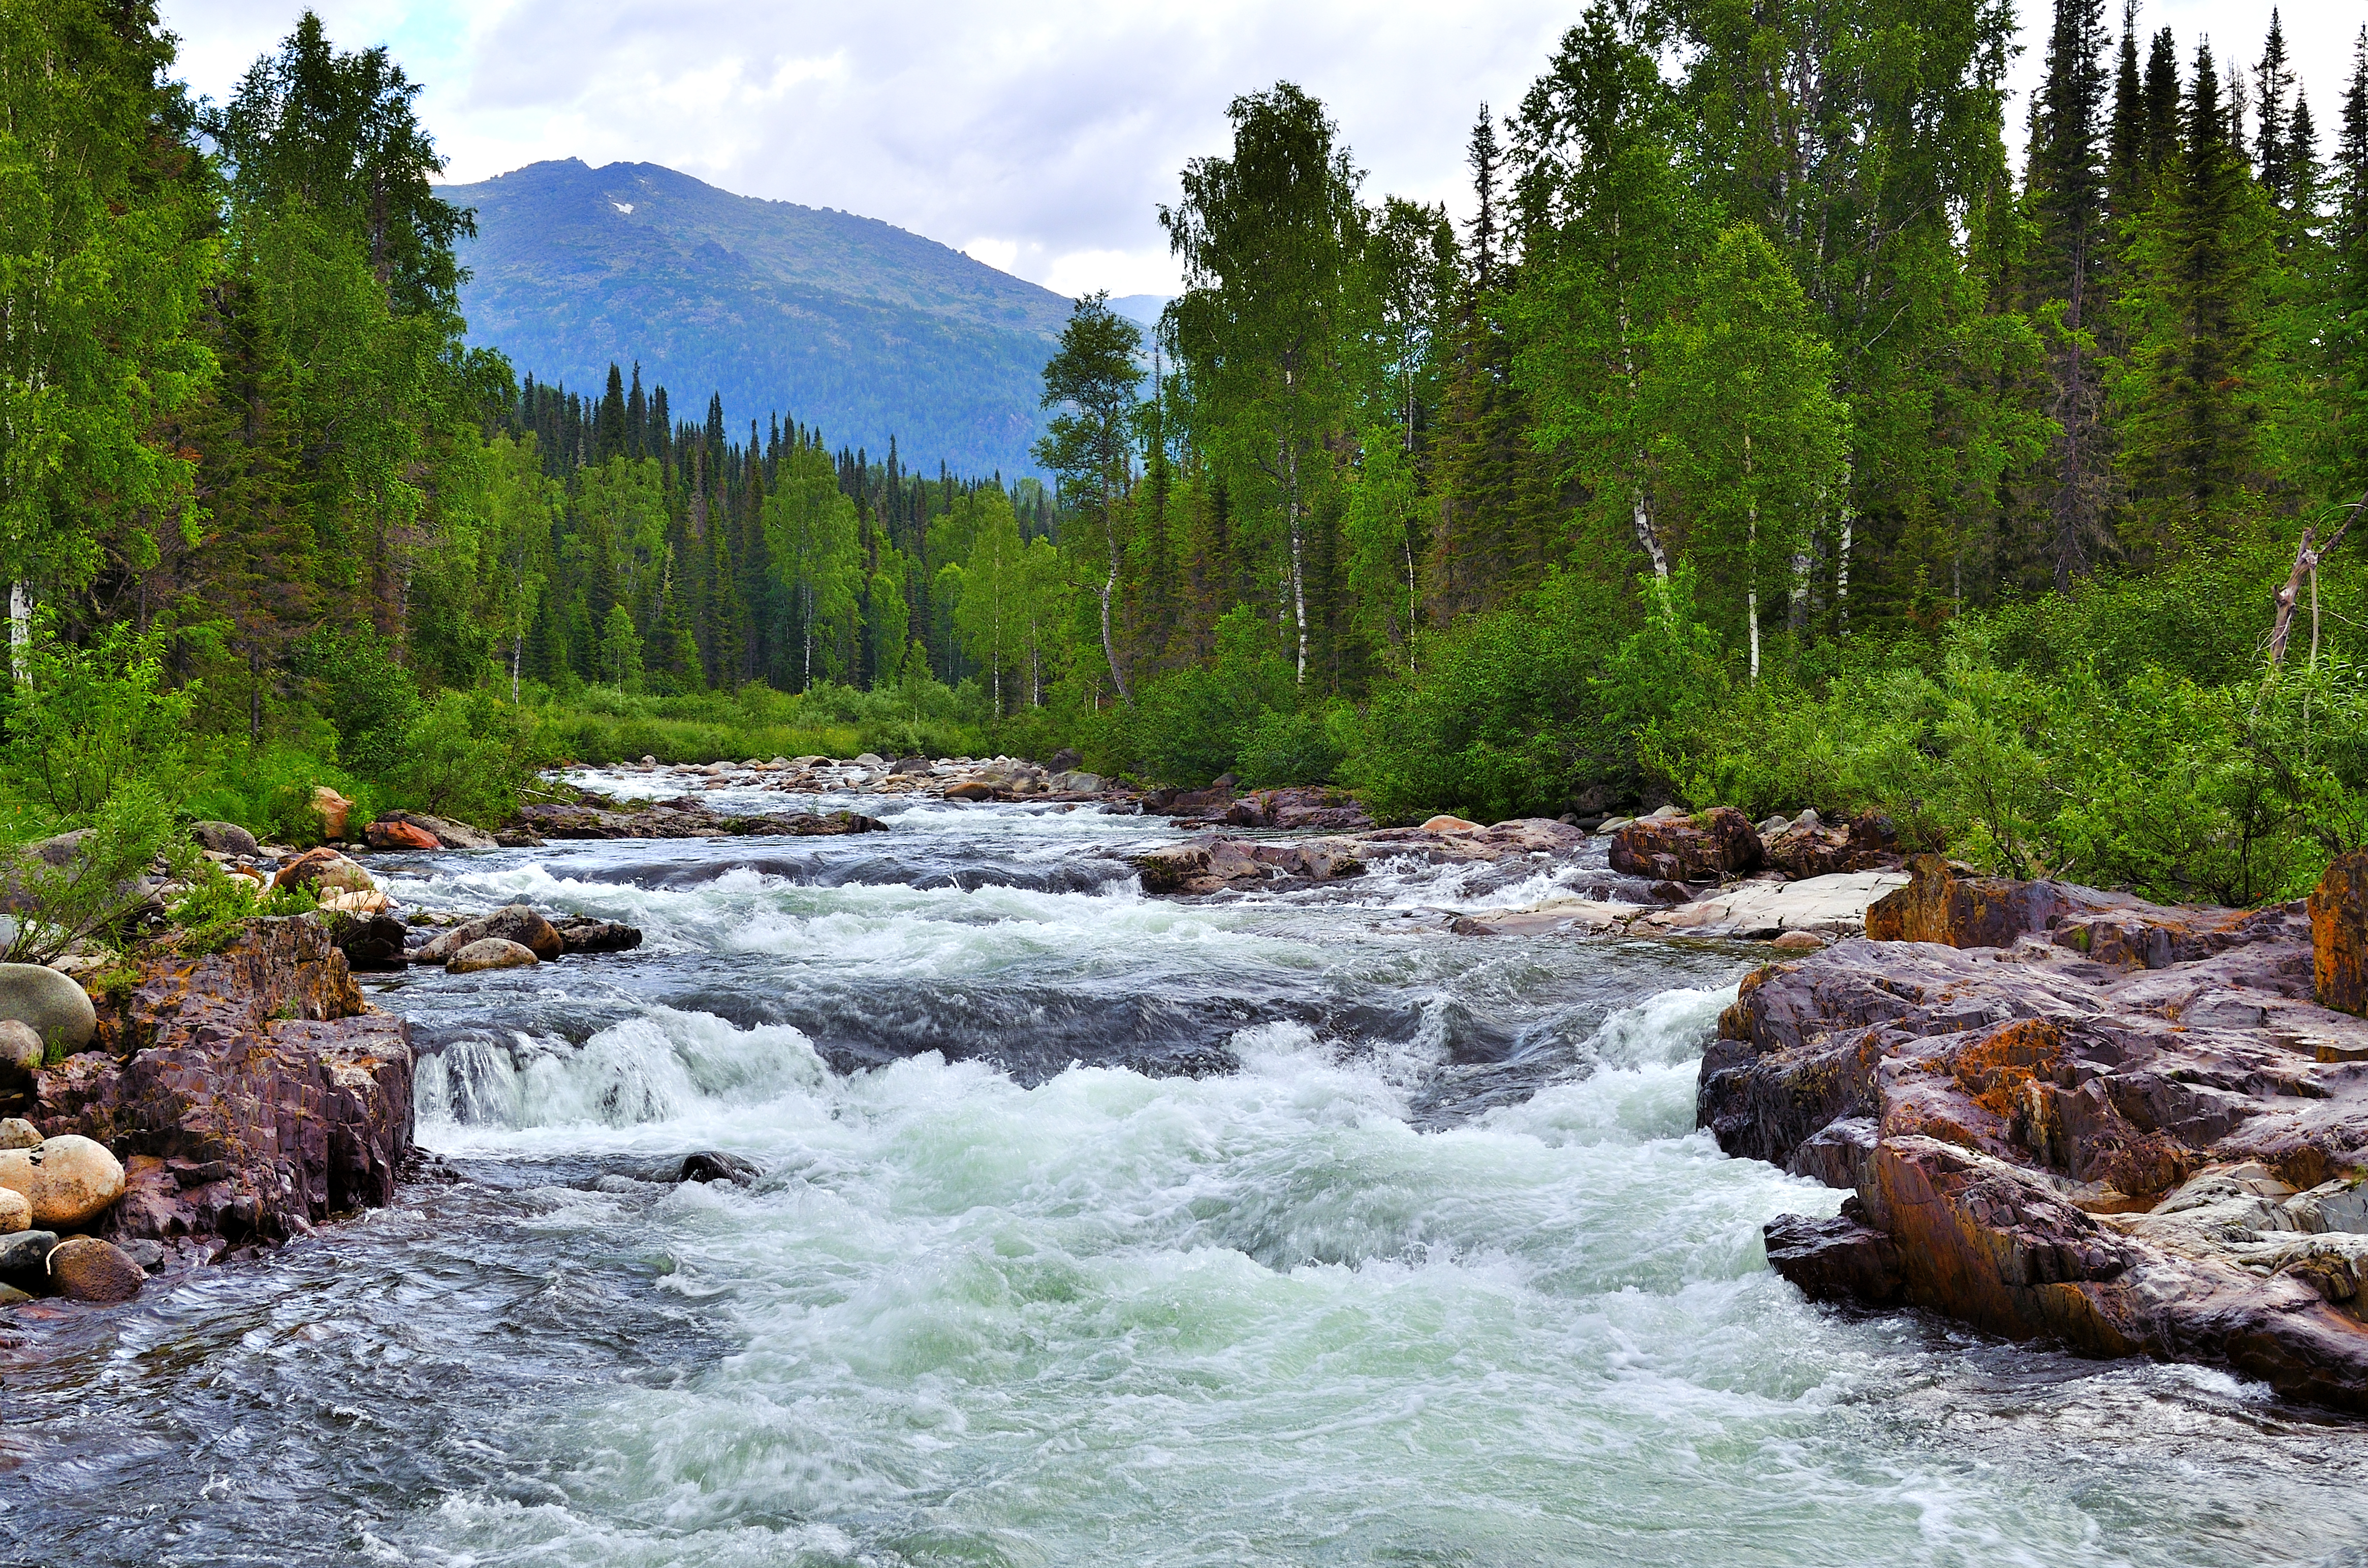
(1048, 131)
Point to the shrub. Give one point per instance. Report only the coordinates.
(467, 756)
(97, 882)
(371, 698)
(90, 720)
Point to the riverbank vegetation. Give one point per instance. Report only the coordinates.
(1764, 439)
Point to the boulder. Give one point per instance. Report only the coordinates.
(1951, 905)
(2339, 935)
(386, 833)
(908, 766)
(15, 1132)
(443, 831)
(1445, 823)
(973, 790)
(1715, 845)
(23, 1252)
(711, 1165)
(1840, 1259)
(225, 838)
(1333, 811)
(492, 952)
(20, 1055)
(333, 810)
(85, 1268)
(583, 935)
(1806, 847)
(250, 1093)
(369, 941)
(58, 1010)
(324, 873)
(516, 923)
(872, 760)
(1064, 760)
(15, 1212)
(69, 1180)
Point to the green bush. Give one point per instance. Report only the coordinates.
(87, 721)
(1189, 727)
(368, 695)
(100, 883)
(467, 756)
(1289, 748)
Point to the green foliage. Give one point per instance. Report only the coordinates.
(1191, 727)
(89, 721)
(467, 758)
(213, 909)
(367, 694)
(92, 883)
(1289, 748)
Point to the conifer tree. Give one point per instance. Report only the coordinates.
(2068, 192)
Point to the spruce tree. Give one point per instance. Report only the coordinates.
(2068, 186)
(2272, 145)
(2162, 101)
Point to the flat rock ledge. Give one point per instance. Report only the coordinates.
(2070, 1115)
(1214, 863)
(252, 1094)
(683, 818)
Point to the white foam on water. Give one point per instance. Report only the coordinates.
(1254, 1318)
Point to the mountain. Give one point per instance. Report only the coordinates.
(1143, 309)
(840, 322)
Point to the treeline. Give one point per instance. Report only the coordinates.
(650, 554)
(1764, 439)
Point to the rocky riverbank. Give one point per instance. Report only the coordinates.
(2070, 1114)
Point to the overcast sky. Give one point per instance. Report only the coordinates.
(1039, 137)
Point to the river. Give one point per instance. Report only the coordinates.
(1094, 1228)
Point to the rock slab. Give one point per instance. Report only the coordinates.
(250, 1093)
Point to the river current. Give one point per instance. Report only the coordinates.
(1093, 1229)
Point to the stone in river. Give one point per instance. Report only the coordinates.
(516, 923)
(15, 1212)
(20, 1055)
(709, 1165)
(225, 838)
(584, 935)
(1445, 823)
(58, 1010)
(85, 1268)
(22, 1254)
(15, 1132)
(492, 952)
(392, 834)
(325, 872)
(69, 1180)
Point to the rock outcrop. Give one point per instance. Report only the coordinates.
(1673, 846)
(2339, 935)
(686, 819)
(1807, 847)
(1212, 864)
(517, 924)
(250, 1093)
(2034, 1096)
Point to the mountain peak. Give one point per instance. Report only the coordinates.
(827, 317)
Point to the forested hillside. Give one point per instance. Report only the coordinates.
(1766, 440)
(844, 322)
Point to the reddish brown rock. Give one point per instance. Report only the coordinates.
(2339, 935)
(1331, 810)
(85, 1268)
(251, 1092)
(324, 871)
(1990, 1104)
(1704, 848)
(1810, 848)
(1953, 906)
(390, 833)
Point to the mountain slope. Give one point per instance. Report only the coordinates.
(819, 315)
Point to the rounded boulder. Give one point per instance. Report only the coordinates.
(225, 838)
(69, 1180)
(491, 952)
(15, 1212)
(15, 1132)
(52, 1005)
(325, 871)
(85, 1268)
(1445, 823)
(20, 1053)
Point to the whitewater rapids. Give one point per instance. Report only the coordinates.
(1093, 1229)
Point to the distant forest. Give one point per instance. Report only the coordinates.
(1765, 438)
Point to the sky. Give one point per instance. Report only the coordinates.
(1041, 138)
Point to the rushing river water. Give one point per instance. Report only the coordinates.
(1094, 1228)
